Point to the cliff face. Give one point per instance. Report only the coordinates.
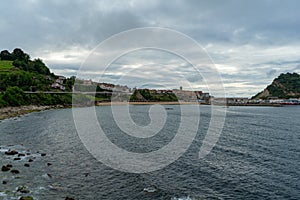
(285, 86)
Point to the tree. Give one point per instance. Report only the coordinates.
(14, 96)
(5, 55)
(37, 65)
(20, 55)
(20, 64)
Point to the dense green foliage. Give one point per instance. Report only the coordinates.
(146, 95)
(18, 73)
(285, 86)
(22, 61)
(14, 96)
(24, 81)
(27, 81)
(5, 66)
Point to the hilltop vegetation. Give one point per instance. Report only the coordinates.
(285, 86)
(147, 95)
(5, 66)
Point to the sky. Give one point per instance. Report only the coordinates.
(249, 42)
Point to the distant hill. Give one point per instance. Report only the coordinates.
(148, 95)
(285, 86)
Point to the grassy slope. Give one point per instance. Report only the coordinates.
(5, 66)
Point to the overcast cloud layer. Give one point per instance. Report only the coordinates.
(251, 42)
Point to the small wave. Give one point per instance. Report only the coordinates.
(150, 189)
(2, 194)
(182, 198)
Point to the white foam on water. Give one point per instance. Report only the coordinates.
(2, 194)
(182, 198)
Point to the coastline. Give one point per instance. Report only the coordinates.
(10, 112)
(147, 103)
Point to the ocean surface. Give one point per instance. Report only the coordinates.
(257, 157)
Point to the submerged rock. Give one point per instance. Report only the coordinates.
(69, 198)
(21, 154)
(26, 198)
(47, 175)
(6, 168)
(17, 158)
(11, 152)
(23, 189)
(26, 165)
(15, 171)
(43, 154)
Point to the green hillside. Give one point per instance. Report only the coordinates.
(19, 73)
(24, 81)
(285, 86)
(5, 66)
(146, 95)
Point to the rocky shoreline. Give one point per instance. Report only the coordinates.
(9, 112)
(16, 161)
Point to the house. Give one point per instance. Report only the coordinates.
(60, 79)
(115, 88)
(58, 86)
(237, 100)
(87, 82)
(48, 78)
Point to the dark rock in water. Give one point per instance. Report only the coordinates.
(30, 160)
(49, 164)
(23, 189)
(11, 152)
(26, 165)
(28, 154)
(9, 165)
(17, 158)
(26, 198)
(43, 154)
(4, 182)
(47, 176)
(21, 154)
(15, 171)
(5, 168)
(69, 198)
(86, 174)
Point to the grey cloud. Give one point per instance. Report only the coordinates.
(271, 72)
(54, 26)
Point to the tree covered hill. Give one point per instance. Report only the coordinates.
(285, 86)
(17, 69)
(18, 73)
